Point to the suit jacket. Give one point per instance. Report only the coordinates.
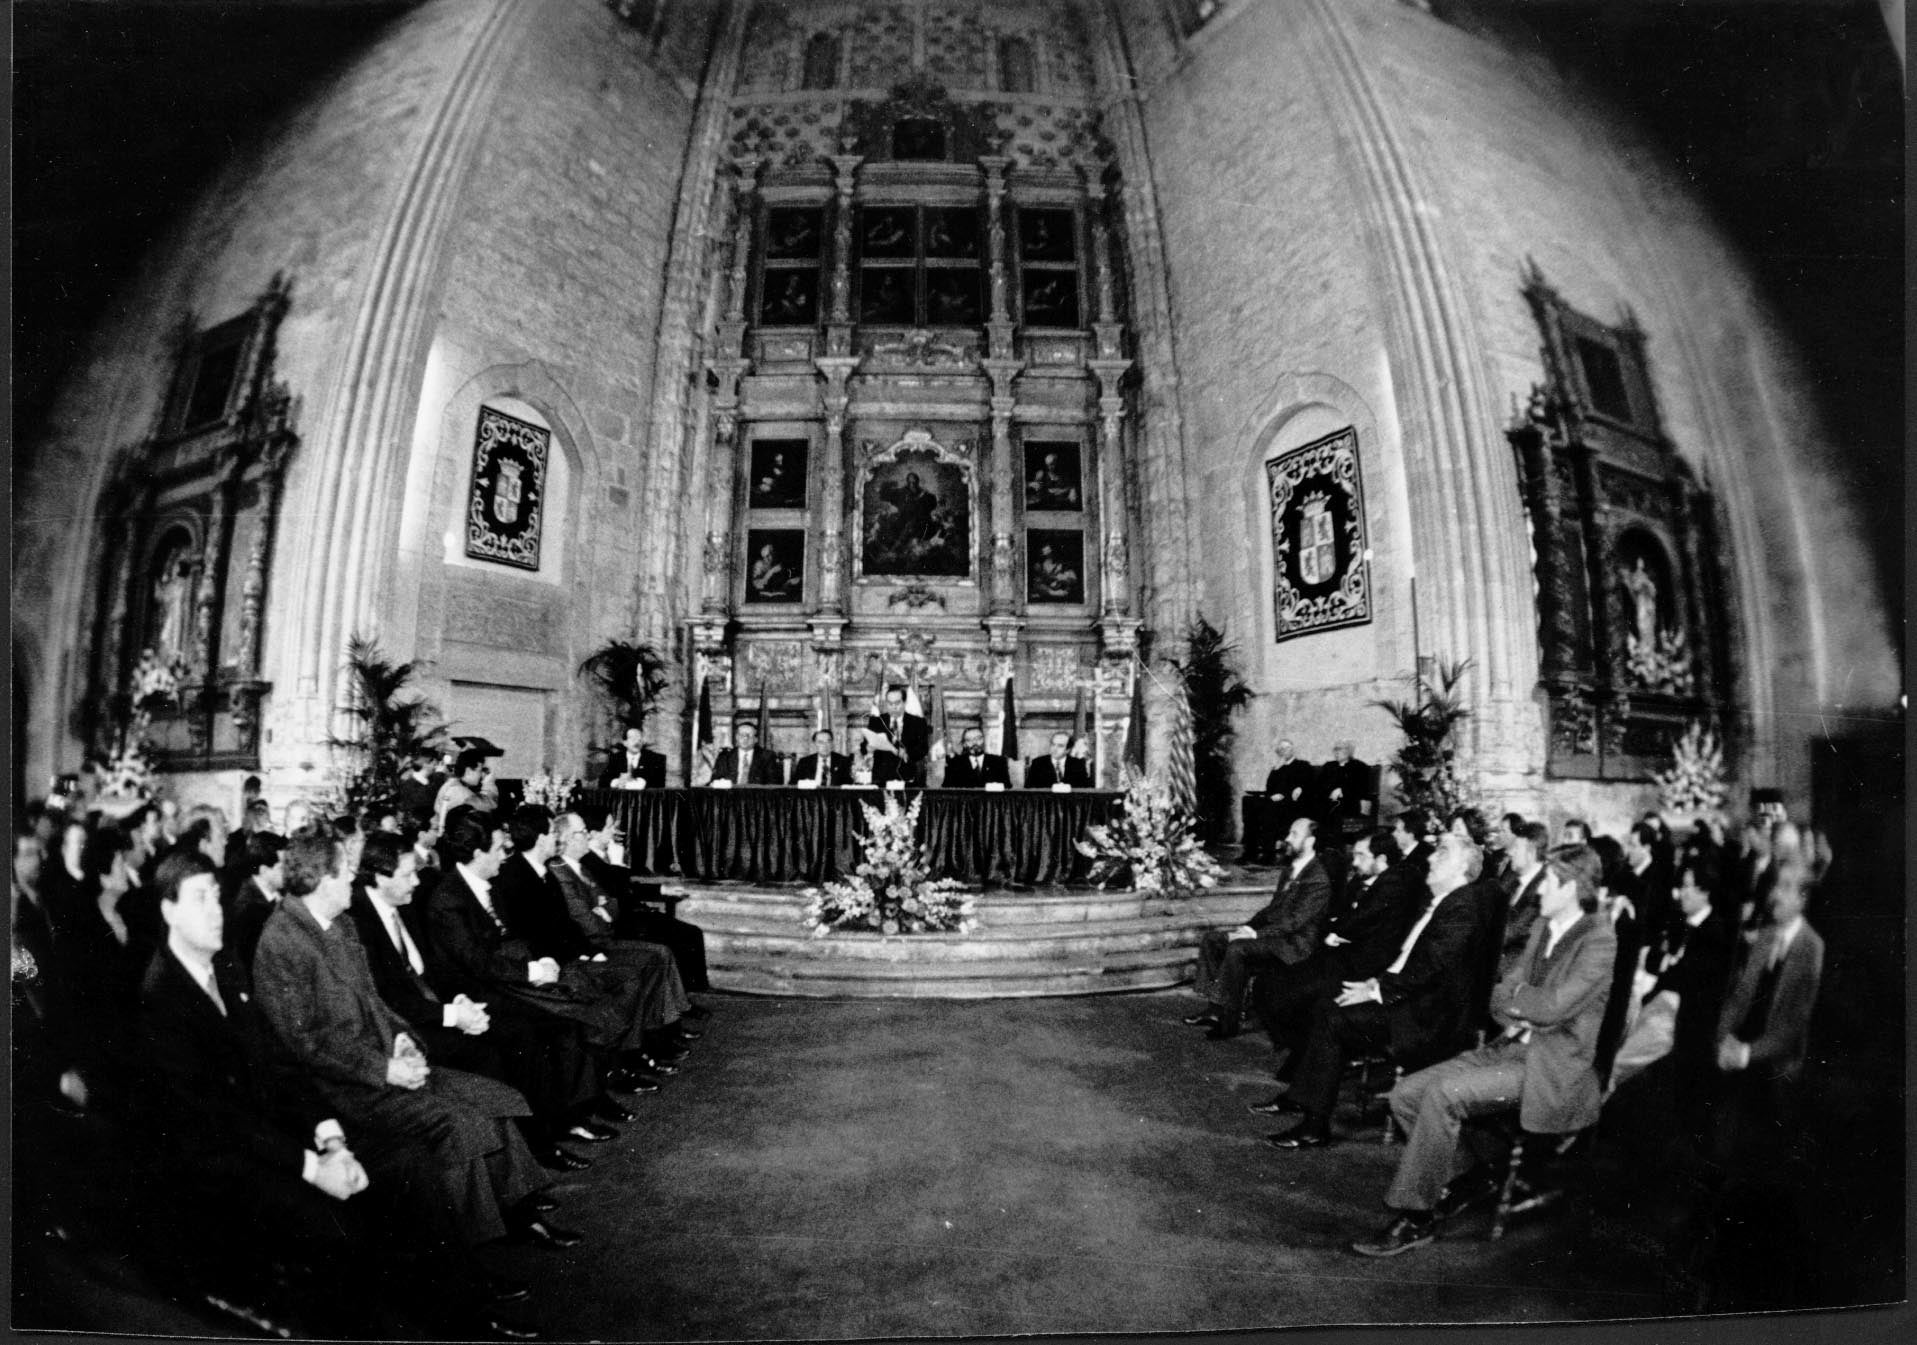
(1771, 1011)
(534, 909)
(763, 770)
(592, 909)
(1650, 896)
(1695, 965)
(1562, 997)
(1375, 919)
(251, 907)
(651, 767)
(1290, 921)
(911, 741)
(473, 954)
(838, 768)
(1295, 774)
(1519, 916)
(960, 773)
(1354, 779)
(222, 1096)
(1042, 774)
(406, 992)
(885, 769)
(1427, 1003)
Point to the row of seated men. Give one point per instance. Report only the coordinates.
(879, 761)
(347, 1050)
(1501, 974)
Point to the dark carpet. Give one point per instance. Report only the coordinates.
(862, 1169)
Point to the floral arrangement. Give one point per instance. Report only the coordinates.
(1663, 665)
(128, 771)
(1695, 783)
(153, 682)
(552, 792)
(1154, 838)
(892, 891)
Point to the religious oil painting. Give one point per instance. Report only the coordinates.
(1320, 577)
(916, 512)
(1052, 477)
(777, 474)
(508, 498)
(1055, 566)
(775, 565)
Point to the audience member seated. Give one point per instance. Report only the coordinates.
(1527, 847)
(1362, 935)
(974, 767)
(1344, 794)
(259, 893)
(1680, 989)
(1417, 1010)
(1640, 907)
(314, 986)
(822, 767)
(633, 765)
(1287, 796)
(1279, 940)
(1060, 767)
(1542, 1066)
(631, 916)
(745, 762)
(1411, 830)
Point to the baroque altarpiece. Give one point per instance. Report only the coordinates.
(1633, 627)
(920, 390)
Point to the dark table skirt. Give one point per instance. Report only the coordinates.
(765, 835)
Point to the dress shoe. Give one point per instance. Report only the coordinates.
(502, 1288)
(1304, 1135)
(664, 1068)
(680, 1032)
(591, 1132)
(541, 1204)
(504, 1328)
(612, 1113)
(630, 1081)
(1401, 1235)
(1278, 1106)
(555, 1159)
(1219, 1032)
(698, 1013)
(668, 1055)
(1206, 1018)
(553, 1238)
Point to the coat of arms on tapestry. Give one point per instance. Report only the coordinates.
(1320, 577)
(508, 497)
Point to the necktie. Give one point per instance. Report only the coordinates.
(822, 762)
(213, 993)
(404, 942)
(745, 759)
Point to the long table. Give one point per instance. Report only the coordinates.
(774, 835)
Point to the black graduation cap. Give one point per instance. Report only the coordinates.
(483, 746)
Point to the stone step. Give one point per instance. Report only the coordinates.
(999, 979)
(728, 906)
(1056, 944)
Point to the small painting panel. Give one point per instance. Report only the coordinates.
(1051, 298)
(775, 565)
(951, 233)
(1054, 566)
(1320, 577)
(952, 297)
(1052, 477)
(917, 514)
(791, 297)
(885, 294)
(792, 234)
(777, 474)
(1046, 236)
(887, 231)
(506, 504)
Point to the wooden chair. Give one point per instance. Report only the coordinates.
(1518, 1194)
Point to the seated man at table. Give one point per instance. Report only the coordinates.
(633, 765)
(974, 767)
(1059, 768)
(822, 766)
(745, 762)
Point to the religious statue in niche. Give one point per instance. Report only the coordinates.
(777, 474)
(1055, 566)
(506, 504)
(1321, 579)
(775, 565)
(1051, 477)
(1656, 655)
(170, 603)
(917, 514)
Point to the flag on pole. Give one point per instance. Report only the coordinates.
(1135, 723)
(878, 688)
(1078, 712)
(1008, 727)
(765, 720)
(827, 720)
(704, 732)
(913, 705)
(939, 733)
(1181, 766)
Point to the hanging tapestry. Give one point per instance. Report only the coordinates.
(1320, 577)
(508, 496)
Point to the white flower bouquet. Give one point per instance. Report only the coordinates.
(1155, 839)
(892, 891)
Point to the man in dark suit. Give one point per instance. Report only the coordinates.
(1344, 793)
(630, 914)
(1408, 829)
(634, 765)
(1526, 849)
(1287, 795)
(317, 992)
(1550, 1006)
(1282, 936)
(974, 767)
(1417, 1008)
(1679, 993)
(909, 735)
(1642, 909)
(1362, 934)
(250, 1160)
(1059, 768)
(745, 762)
(542, 1055)
(255, 899)
(823, 767)
(471, 952)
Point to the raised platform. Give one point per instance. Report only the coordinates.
(1053, 941)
